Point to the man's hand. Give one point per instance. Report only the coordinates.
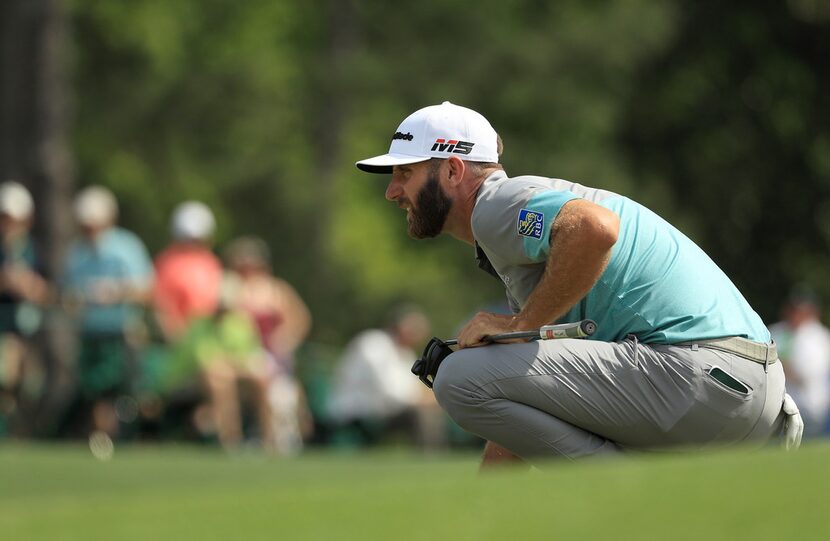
(484, 324)
(105, 291)
(23, 282)
(793, 424)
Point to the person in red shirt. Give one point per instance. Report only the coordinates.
(188, 274)
(211, 341)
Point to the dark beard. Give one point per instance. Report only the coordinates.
(428, 216)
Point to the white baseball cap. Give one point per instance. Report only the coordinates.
(95, 206)
(438, 131)
(15, 201)
(192, 220)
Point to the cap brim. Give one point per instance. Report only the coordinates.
(383, 164)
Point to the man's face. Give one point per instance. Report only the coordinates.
(417, 188)
(10, 225)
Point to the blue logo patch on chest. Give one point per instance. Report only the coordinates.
(530, 223)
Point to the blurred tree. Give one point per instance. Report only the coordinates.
(728, 134)
(34, 151)
(33, 116)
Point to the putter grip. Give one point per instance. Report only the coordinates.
(578, 329)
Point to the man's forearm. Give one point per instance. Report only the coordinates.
(581, 245)
(582, 237)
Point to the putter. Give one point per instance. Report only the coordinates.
(437, 350)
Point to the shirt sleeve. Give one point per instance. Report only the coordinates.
(536, 219)
(139, 266)
(514, 224)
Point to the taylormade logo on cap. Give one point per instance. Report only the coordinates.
(437, 131)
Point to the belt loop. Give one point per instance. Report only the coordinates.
(633, 338)
(766, 359)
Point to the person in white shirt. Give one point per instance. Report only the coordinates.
(804, 347)
(374, 392)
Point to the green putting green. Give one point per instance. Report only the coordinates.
(154, 493)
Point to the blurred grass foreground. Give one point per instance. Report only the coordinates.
(60, 492)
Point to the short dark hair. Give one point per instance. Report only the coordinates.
(481, 167)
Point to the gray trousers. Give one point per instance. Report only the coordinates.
(576, 398)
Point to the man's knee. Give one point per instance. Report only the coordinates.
(454, 388)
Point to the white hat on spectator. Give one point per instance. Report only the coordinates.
(95, 206)
(16, 201)
(192, 220)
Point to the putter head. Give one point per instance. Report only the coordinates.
(426, 368)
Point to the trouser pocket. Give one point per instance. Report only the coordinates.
(723, 393)
(728, 380)
(721, 411)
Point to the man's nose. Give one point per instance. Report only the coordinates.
(393, 190)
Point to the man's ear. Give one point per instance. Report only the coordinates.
(455, 169)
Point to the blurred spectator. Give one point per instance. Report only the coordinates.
(210, 340)
(283, 322)
(22, 289)
(106, 283)
(804, 348)
(374, 392)
(188, 274)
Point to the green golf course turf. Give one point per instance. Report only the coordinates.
(153, 493)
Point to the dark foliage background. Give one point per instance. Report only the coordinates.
(715, 114)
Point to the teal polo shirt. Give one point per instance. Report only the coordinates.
(116, 255)
(659, 285)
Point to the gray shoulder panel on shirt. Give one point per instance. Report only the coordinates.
(501, 197)
(494, 224)
(557, 184)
